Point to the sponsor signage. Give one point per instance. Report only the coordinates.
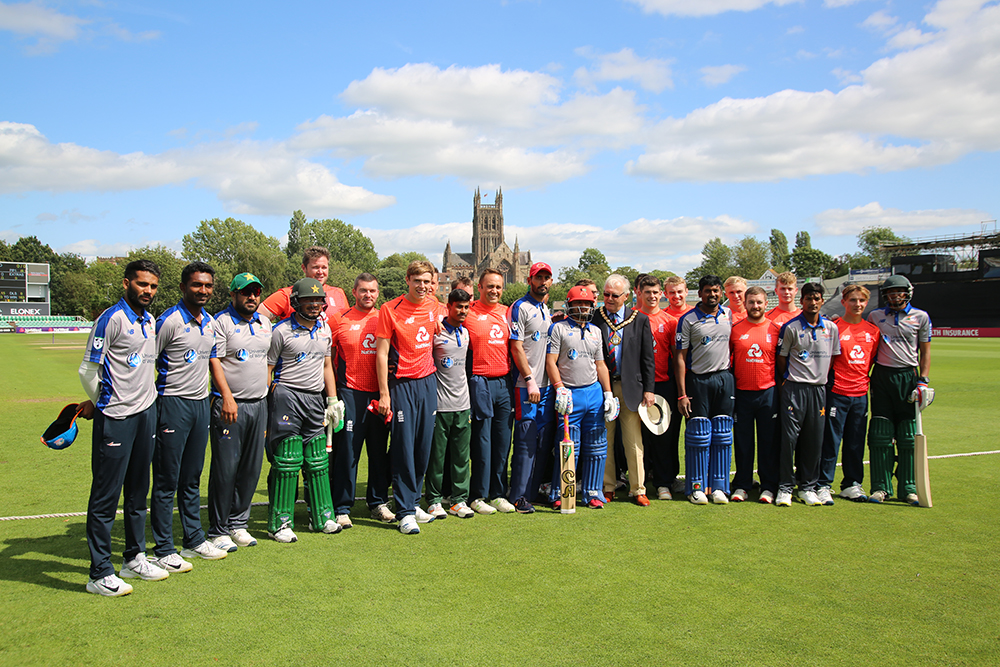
(22, 309)
(970, 332)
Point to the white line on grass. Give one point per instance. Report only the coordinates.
(70, 514)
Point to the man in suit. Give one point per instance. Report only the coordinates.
(628, 349)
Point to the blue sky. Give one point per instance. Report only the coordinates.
(640, 127)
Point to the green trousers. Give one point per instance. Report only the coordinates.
(452, 434)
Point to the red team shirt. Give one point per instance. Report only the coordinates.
(409, 328)
(858, 345)
(753, 347)
(779, 316)
(280, 303)
(676, 313)
(664, 326)
(489, 332)
(354, 349)
(738, 317)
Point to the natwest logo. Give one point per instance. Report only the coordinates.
(368, 342)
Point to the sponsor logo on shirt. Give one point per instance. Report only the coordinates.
(745, 337)
(368, 343)
(447, 362)
(134, 360)
(803, 355)
(409, 320)
(355, 327)
(536, 336)
(572, 355)
(98, 343)
(300, 357)
(190, 356)
(241, 355)
(705, 340)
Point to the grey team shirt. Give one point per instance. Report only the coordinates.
(900, 335)
(241, 346)
(810, 350)
(706, 339)
(298, 354)
(451, 348)
(183, 349)
(578, 350)
(124, 345)
(529, 323)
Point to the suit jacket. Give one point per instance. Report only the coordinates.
(638, 371)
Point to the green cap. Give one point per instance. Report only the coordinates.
(241, 280)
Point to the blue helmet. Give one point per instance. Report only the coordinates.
(62, 432)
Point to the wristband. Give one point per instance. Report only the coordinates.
(557, 385)
(923, 379)
(682, 397)
(527, 378)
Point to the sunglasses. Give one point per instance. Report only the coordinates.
(251, 290)
(612, 295)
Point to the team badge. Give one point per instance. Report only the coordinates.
(98, 343)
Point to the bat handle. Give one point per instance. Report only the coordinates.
(919, 425)
(566, 426)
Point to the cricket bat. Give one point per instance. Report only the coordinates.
(920, 463)
(567, 471)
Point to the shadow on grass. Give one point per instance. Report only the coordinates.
(45, 561)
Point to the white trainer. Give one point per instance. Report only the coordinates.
(854, 492)
(739, 495)
(110, 586)
(422, 516)
(243, 537)
(284, 535)
(224, 542)
(878, 497)
(408, 526)
(719, 497)
(784, 499)
(438, 511)
(766, 497)
(913, 499)
(461, 510)
(698, 498)
(824, 495)
(663, 493)
(172, 563)
(383, 513)
(809, 497)
(330, 527)
(480, 506)
(143, 569)
(205, 550)
(503, 505)
(344, 521)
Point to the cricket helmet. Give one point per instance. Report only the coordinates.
(896, 282)
(305, 287)
(580, 312)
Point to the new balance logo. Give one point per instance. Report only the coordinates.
(355, 327)
(409, 320)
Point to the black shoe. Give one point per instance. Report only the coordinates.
(523, 506)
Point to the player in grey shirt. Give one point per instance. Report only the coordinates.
(299, 358)
(531, 456)
(118, 375)
(899, 379)
(239, 413)
(806, 347)
(452, 426)
(575, 365)
(185, 339)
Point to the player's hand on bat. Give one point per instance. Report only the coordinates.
(564, 401)
(922, 395)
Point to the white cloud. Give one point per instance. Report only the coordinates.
(704, 7)
(795, 30)
(50, 27)
(922, 107)
(842, 222)
(91, 248)
(673, 244)
(652, 74)
(717, 75)
(846, 76)
(839, 3)
(250, 177)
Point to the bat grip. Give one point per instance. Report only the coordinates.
(566, 426)
(919, 427)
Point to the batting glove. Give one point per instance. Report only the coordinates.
(611, 407)
(334, 413)
(564, 401)
(922, 395)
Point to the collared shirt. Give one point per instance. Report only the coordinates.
(664, 327)
(705, 339)
(902, 333)
(409, 328)
(241, 347)
(809, 349)
(451, 349)
(529, 323)
(124, 344)
(298, 354)
(280, 302)
(489, 331)
(578, 349)
(858, 343)
(354, 346)
(183, 349)
(754, 345)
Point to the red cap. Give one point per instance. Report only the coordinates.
(580, 293)
(539, 266)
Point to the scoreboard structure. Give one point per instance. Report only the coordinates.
(24, 289)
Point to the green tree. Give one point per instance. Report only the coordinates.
(79, 294)
(346, 243)
(402, 260)
(29, 249)
(107, 280)
(810, 262)
(294, 248)
(662, 275)
(717, 259)
(512, 292)
(802, 240)
(594, 262)
(750, 258)
(391, 282)
(871, 240)
(779, 250)
(629, 273)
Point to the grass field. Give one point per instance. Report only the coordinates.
(852, 584)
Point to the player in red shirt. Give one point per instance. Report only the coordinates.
(489, 333)
(404, 364)
(357, 385)
(315, 264)
(786, 287)
(676, 291)
(735, 288)
(847, 399)
(662, 448)
(754, 343)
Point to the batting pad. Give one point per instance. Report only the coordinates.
(593, 455)
(905, 471)
(880, 434)
(720, 453)
(697, 439)
(287, 462)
